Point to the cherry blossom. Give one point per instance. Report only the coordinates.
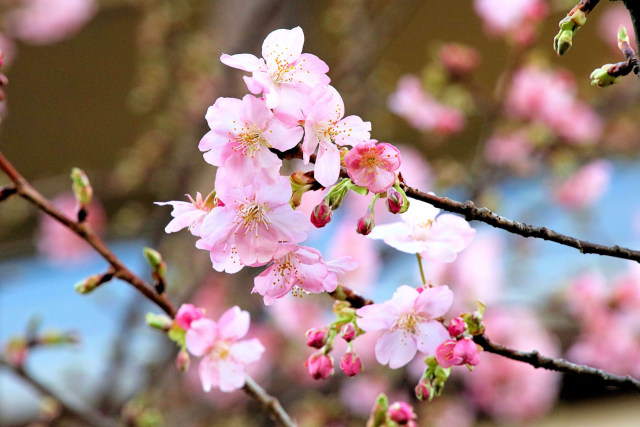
(324, 127)
(47, 21)
(509, 16)
(297, 268)
(253, 220)
(408, 322)
(284, 75)
(424, 113)
(187, 314)
(224, 353)
(242, 131)
(452, 352)
(373, 165)
(586, 186)
(187, 214)
(435, 237)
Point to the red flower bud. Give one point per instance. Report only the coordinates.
(348, 331)
(366, 223)
(320, 366)
(321, 215)
(401, 413)
(457, 327)
(395, 201)
(350, 364)
(316, 338)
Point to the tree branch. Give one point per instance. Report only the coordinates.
(26, 191)
(536, 360)
(87, 416)
(269, 404)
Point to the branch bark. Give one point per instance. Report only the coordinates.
(269, 404)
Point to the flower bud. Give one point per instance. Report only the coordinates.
(457, 327)
(321, 215)
(316, 338)
(401, 413)
(350, 364)
(158, 268)
(158, 321)
(600, 76)
(87, 285)
(366, 223)
(182, 360)
(568, 27)
(320, 366)
(423, 390)
(187, 314)
(395, 201)
(81, 186)
(348, 332)
(623, 37)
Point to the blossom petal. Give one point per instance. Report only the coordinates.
(434, 302)
(234, 323)
(430, 336)
(374, 317)
(231, 374)
(241, 61)
(209, 374)
(395, 348)
(201, 336)
(247, 351)
(282, 47)
(327, 168)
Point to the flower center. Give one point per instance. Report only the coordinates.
(220, 350)
(408, 322)
(371, 160)
(250, 216)
(420, 230)
(279, 75)
(325, 131)
(249, 142)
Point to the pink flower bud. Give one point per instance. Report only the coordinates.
(395, 201)
(444, 354)
(366, 223)
(321, 215)
(457, 327)
(316, 338)
(350, 364)
(348, 332)
(320, 366)
(423, 390)
(182, 361)
(401, 413)
(187, 314)
(464, 351)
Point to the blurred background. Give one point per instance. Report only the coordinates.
(480, 107)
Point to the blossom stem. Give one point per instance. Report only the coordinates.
(269, 403)
(424, 280)
(121, 271)
(86, 416)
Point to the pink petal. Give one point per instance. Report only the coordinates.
(375, 317)
(430, 336)
(231, 375)
(241, 61)
(395, 348)
(209, 375)
(247, 351)
(434, 302)
(327, 168)
(282, 46)
(201, 336)
(234, 323)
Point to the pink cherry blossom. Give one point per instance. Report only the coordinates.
(423, 112)
(586, 186)
(373, 165)
(549, 97)
(513, 149)
(435, 237)
(408, 322)
(509, 16)
(297, 268)
(452, 352)
(224, 354)
(187, 214)
(324, 127)
(187, 314)
(48, 21)
(242, 131)
(253, 220)
(284, 75)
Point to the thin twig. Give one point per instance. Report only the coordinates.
(87, 416)
(26, 191)
(536, 360)
(269, 403)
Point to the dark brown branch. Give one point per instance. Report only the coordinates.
(26, 191)
(536, 360)
(473, 213)
(270, 404)
(86, 416)
(7, 191)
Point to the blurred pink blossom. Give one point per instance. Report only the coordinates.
(56, 242)
(510, 16)
(584, 188)
(50, 21)
(610, 20)
(423, 112)
(512, 149)
(514, 392)
(549, 97)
